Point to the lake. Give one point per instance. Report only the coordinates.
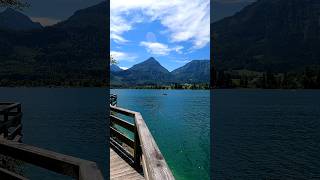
(180, 124)
(71, 121)
(266, 134)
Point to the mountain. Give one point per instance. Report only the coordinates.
(94, 16)
(196, 71)
(149, 72)
(221, 9)
(63, 54)
(14, 20)
(115, 68)
(277, 35)
(150, 65)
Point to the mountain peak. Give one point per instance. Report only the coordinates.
(11, 12)
(151, 60)
(14, 20)
(151, 64)
(93, 16)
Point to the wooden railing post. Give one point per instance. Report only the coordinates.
(146, 156)
(5, 119)
(19, 108)
(137, 149)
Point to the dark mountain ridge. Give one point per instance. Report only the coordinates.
(222, 9)
(90, 17)
(269, 35)
(115, 68)
(14, 20)
(195, 71)
(62, 54)
(151, 72)
(145, 73)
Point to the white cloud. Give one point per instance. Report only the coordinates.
(184, 21)
(159, 48)
(122, 56)
(118, 39)
(178, 49)
(123, 68)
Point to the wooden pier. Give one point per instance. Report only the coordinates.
(10, 121)
(10, 146)
(113, 99)
(138, 157)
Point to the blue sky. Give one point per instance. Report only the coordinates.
(172, 31)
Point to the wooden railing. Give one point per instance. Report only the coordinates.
(10, 121)
(113, 99)
(146, 154)
(10, 135)
(59, 163)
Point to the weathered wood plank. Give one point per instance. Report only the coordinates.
(15, 132)
(122, 152)
(122, 137)
(9, 106)
(153, 162)
(89, 170)
(144, 166)
(137, 150)
(121, 170)
(157, 167)
(17, 138)
(8, 175)
(122, 123)
(122, 111)
(63, 164)
(11, 121)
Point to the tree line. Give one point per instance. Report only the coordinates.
(309, 78)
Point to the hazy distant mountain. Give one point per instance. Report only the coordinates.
(94, 16)
(145, 73)
(196, 71)
(277, 35)
(62, 54)
(224, 8)
(115, 68)
(150, 72)
(14, 20)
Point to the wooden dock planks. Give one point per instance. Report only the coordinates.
(153, 163)
(121, 170)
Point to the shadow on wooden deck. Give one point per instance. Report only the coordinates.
(140, 154)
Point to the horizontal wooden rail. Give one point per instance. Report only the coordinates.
(122, 123)
(62, 164)
(153, 163)
(5, 174)
(5, 107)
(121, 137)
(10, 117)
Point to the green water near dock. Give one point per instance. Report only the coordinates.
(180, 124)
